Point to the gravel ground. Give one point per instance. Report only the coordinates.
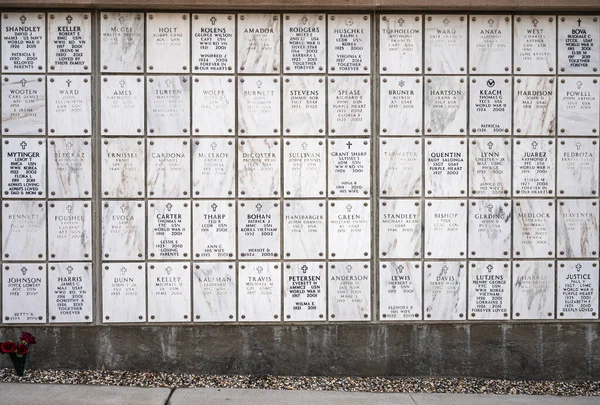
(369, 384)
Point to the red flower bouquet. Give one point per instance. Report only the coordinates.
(18, 351)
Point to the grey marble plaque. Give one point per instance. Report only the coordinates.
(446, 167)
(122, 42)
(349, 291)
(349, 105)
(24, 168)
(401, 105)
(489, 290)
(534, 44)
(122, 105)
(258, 43)
(168, 168)
(214, 292)
(400, 43)
(70, 293)
(213, 162)
(349, 229)
(123, 230)
(304, 291)
(259, 293)
(304, 229)
(304, 41)
(446, 44)
(259, 109)
(578, 106)
(70, 42)
(213, 43)
(24, 230)
(259, 162)
(214, 229)
(577, 290)
(169, 223)
(123, 158)
(400, 291)
(577, 228)
(24, 288)
(123, 292)
(533, 167)
(400, 229)
(168, 42)
(490, 229)
(446, 105)
(533, 290)
(534, 105)
(213, 105)
(259, 229)
(445, 291)
(169, 292)
(490, 163)
(23, 105)
(400, 163)
(533, 228)
(304, 164)
(69, 105)
(349, 165)
(577, 167)
(24, 42)
(446, 230)
(490, 49)
(304, 105)
(168, 105)
(578, 44)
(69, 230)
(490, 109)
(349, 43)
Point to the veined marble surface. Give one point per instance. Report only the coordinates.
(24, 230)
(534, 44)
(534, 167)
(533, 290)
(400, 291)
(304, 105)
(124, 292)
(24, 298)
(533, 228)
(349, 291)
(490, 44)
(213, 161)
(304, 229)
(168, 42)
(400, 229)
(258, 43)
(446, 230)
(69, 105)
(258, 105)
(123, 230)
(490, 111)
(122, 42)
(578, 106)
(213, 43)
(169, 292)
(70, 292)
(70, 230)
(304, 42)
(577, 290)
(259, 167)
(349, 229)
(400, 43)
(578, 44)
(259, 229)
(400, 167)
(445, 105)
(401, 105)
(70, 42)
(24, 50)
(259, 293)
(349, 43)
(577, 228)
(490, 229)
(489, 290)
(23, 105)
(214, 292)
(123, 158)
(534, 105)
(577, 167)
(168, 105)
(445, 291)
(24, 168)
(213, 105)
(349, 167)
(304, 165)
(349, 105)
(169, 229)
(490, 167)
(168, 168)
(304, 291)
(122, 105)
(446, 39)
(214, 229)
(445, 167)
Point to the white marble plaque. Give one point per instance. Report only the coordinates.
(490, 229)
(24, 168)
(214, 229)
(23, 105)
(578, 106)
(168, 168)
(259, 293)
(122, 105)
(533, 228)
(577, 290)
(534, 105)
(350, 105)
(123, 230)
(446, 230)
(259, 172)
(213, 43)
(445, 291)
(213, 105)
(490, 109)
(70, 292)
(533, 167)
(304, 39)
(400, 163)
(578, 44)
(349, 43)
(400, 229)
(168, 105)
(400, 291)
(168, 42)
(400, 43)
(24, 288)
(489, 290)
(70, 42)
(446, 167)
(259, 229)
(349, 167)
(304, 164)
(69, 105)
(446, 44)
(304, 229)
(304, 105)
(577, 167)
(577, 228)
(169, 223)
(24, 42)
(258, 43)
(123, 158)
(213, 162)
(401, 105)
(349, 229)
(122, 42)
(70, 230)
(533, 290)
(70, 168)
(490, 49)
(490, 163)
(534, 44)
(446, 105)
(304, 291)
(259, 109)
(123, 292)
(169, 292)
(349, 291)
(24, 230)
(214, 292)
